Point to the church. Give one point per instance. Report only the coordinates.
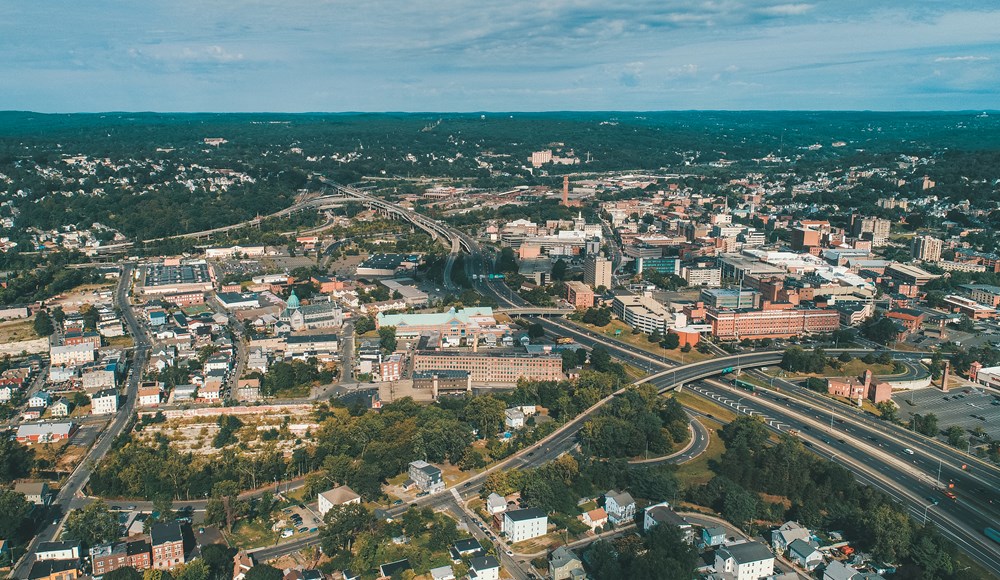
(311, 316)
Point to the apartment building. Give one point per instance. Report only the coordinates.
(579, 294)
(492, 368)
(525, 524)
(927, 249)
(597, 271)
(757, 324)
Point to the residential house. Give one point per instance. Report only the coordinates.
(150, 394)
(168, 545)
(484, 568)
(620, 507)
(426, 476)
(139, 554)
(40, 399)
(341, 495)
(104, 402)
(469, 547)
(58, 551)
(54, 570)
(61, 407)
(495, 504)
(786, 534)
(32, 413)
(36, 492)
(595, 518)
(242, 562)
(839, 570)
(397, 567)
(442, 573)
(7, 393)
(513, 419)
(565, 565)
(713, 536)
(248, 390)
(662, 514)
(109, 557)
(745, 561)
(524, 524)
(804, 554)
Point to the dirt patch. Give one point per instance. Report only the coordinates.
(18, 330)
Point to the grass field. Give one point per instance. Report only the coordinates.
(17, 330)
(640, 341)
(851, 369)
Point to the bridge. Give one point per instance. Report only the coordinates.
(535, 311)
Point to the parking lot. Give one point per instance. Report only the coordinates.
(300, 519)
(968, 407)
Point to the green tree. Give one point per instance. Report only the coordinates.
(883, 331)
(387, 338)
(14, 508)
(485, 413)
(341, 525)
(126, 573)
(889, 532)
(536, 331)
(364, 324)
(92, 525)
(16, 460)
(956, 436)
(43, 324)
(193, 570)
(219, 559)
(264, 572)
(888, 411)
(671, 341)
(559, 269)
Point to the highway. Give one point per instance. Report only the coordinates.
(77, 480)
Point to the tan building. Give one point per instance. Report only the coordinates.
(505, 368)
(927, 249)
(597, 271)
(579, 294)
(342, 495)
(858, 388)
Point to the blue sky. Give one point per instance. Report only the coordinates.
(470, 55)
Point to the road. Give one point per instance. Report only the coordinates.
(76, 481)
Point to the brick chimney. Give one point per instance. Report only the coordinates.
(945, 372)
(565, 196)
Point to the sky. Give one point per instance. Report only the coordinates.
(510, 55)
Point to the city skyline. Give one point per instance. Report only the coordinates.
(460, 56)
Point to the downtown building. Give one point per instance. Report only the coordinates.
(492, 368)
(771, 323)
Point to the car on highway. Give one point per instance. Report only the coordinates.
(908, 451)
(950, 495)
(933, 500)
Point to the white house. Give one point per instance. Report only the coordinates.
(837, 570)
(513, 419)
(620, 507)
(662, 514)
(442, 573)
(150, 395)
(104, 402)
(746, 561)
(520, 525)
(804, 554)
(426, 476)
(58, 551)
(342, 495)
(495, 503)
(786, 534)
(60, 407)
(40, 399)
(484, 568)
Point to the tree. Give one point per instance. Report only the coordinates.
(559, 270)
(597, 316)
(364, 324)
(925, 424)
(888, 411)
(219, 559)
(43, 324)
(671, 341)
(92, 525)
(845, 357)
(341, 525)
(883, 331)
(387, 338)
(264, 572)
(14, 508)
(536, 331)
(16, 460)
(890, 533)
(956, 436)
(486, 414)
(126, 573)
(193, 570)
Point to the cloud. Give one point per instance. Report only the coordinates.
(961, 58)
(786, 9)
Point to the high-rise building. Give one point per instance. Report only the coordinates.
(597, 271)
(871, 228)
(927, 249)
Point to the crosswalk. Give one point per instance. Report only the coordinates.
(739, 407)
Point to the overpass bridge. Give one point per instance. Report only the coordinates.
(535, 311)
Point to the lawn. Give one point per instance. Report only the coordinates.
(698, 404)
(854, 368)
(641, 342)
(697, 471)
(252, 535)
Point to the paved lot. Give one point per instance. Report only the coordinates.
(967, 407)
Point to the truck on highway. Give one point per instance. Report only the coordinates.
(992, 534)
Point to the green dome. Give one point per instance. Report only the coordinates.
(293, 301)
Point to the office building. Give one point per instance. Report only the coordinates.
(757, 324)
(730, 298)
(597, 271)
(492, 368)
(927, 249)
(579, 294)
(642, 312)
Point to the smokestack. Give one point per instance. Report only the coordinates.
(565, 198)
(945, 371)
